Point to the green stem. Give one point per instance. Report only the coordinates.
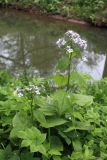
(69, 72)
(49, 136)
(49, 139)
(32, 108)
(2, 145)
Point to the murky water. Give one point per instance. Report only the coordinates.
(28, 43)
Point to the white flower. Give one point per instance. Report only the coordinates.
(75, 37)
(83, 44)
(69, 49)
(71, 34)
(37, 91)
(61, 42)
(34, 88)
(18, 92)
(84, 59)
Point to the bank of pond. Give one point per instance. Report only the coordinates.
(92, 11)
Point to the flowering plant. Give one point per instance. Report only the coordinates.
(73, 45)
(71, 41)
(31, 89)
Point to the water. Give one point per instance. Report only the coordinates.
(27, 43)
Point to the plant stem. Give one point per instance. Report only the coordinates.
(49, 136)
(49, 139)
(32, 108)
(69, 72)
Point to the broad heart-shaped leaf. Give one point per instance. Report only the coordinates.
(61, 102)
(39, 116)
(21, 122)
(63, 63)
(53, 121)
(45, 105)
(33, 138)
(48, 122)
(58, 103)
(12, 105)
(60, 80)
(83, 100)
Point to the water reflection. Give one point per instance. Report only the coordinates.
(93, 65)
(28, 45)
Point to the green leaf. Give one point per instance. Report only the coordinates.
(88, 153)
(7, 153)
(80, 126)
(77, 145)
(14, 157)
(60, 80)
(55, 143)
(77, 115)
(63, 63)
(77, 78)
(21, 121)
(55, 146)
(54, 152)
(39, 116)
(27, 156)
(2, 154)
(61, 102)
(53, 121)
(83, 100)
(77, 156)
(45, 105)
(63, 135)
(56, 158)
(33, 138)
(58, 103)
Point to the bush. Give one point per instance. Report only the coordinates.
(62, 117)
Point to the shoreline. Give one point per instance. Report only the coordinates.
(38, 12)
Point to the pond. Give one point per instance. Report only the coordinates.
(28, 43)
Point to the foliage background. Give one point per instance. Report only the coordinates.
(94, 11)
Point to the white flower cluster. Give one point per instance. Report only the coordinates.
(75, 37)
(18, 92)
(31, 88)
(61, 42)
(69, 49)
